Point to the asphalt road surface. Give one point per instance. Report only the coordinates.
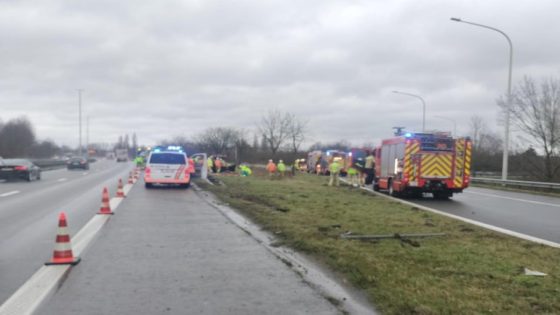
(167, 251)
(534, 215)
(29, 215)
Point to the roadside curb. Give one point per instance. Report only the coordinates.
(310, 273)
(42, 284)
(456, 217)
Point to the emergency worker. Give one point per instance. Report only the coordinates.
(369, 169)
(245, 170)
(218, 164)
(210, 164)
(334, 169)
(139, 161)
(353, 174)
(271, 168)
(281, 168)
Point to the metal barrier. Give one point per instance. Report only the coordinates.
(517, 183)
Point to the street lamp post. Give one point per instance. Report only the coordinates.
(423, 107)
(80, 120)
(451, 120)
(87, 137)
(506, 137)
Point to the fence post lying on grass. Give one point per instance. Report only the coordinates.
(389, 236)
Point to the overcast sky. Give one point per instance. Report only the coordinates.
(168, 68)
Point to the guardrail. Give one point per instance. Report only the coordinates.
(518, 183)
(47, 164)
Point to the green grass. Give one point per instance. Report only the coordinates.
(471, 270)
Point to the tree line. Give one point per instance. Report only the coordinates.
(534, 110)
(17, 139)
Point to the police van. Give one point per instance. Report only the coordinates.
(168, 165)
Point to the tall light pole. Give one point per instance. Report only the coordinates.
(508, 105)
(451, 120)
(80, 120)
(423, 107)
(87, 136)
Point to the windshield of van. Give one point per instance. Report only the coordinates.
(167, 158)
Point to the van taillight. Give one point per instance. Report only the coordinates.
(20, 168)
(147, 170)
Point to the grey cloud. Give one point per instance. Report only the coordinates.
(173, 68)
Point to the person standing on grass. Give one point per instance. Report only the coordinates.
(281, 168)
(353, 175)
(210, 164)
(218, 164)
(334, 169)
(271, 168)
(370, 168)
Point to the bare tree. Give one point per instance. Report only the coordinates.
(16, 138)
(478, 128)
(535, 111)
(296, 132)
(218, 140)
(275, 129)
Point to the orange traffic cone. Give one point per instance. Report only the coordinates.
(120, 191)
(62, 254)
(130, 180)
(105, 206)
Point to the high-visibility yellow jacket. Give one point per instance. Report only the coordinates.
(335, 167)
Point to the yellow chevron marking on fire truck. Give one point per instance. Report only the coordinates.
(436, 165)
(468, 159)
(459, 163)
(411, 149)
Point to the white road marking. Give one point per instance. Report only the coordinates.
(515, 199)
(10, 193)
(478, 223)
(85, 173)
(61, 179)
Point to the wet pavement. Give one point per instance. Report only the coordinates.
(167, 251)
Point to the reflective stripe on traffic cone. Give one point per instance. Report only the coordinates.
(130, 180)
(105, 206)
(120, 191)
(62, 254)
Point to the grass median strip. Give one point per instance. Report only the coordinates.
(468, 270)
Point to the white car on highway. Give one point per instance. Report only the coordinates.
(168, 165)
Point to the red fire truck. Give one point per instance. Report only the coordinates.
(415, 163)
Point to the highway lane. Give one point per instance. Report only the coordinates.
(29, 213)
(534, 215)
(167, 251)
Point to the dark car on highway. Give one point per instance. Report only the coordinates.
(19, 169)
(77, 162)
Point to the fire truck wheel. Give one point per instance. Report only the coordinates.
(375, 186)
(443, 195)
(392, 191)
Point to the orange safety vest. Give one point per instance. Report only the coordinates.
(271, 167)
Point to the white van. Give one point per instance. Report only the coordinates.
(122, 155)
(168, 167)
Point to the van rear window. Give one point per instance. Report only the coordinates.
(167, 158)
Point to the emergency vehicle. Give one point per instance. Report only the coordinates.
(168, 165)
(415, 163)
(318, 161)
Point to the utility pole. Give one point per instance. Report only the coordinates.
(87, 136)
(80, 120)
